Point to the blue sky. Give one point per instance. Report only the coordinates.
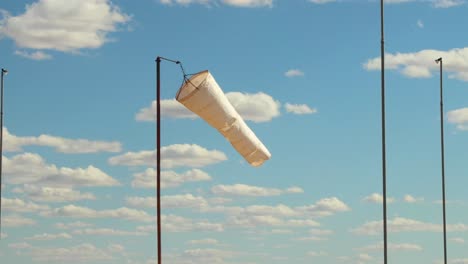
(79, 131)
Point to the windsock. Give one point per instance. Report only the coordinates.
(202, 95)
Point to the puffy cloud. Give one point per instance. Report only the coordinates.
(22, 245)
(72, 225)
(316, 235)
(249, 3)
(435, 3)
(377, 198)
(74, 211)
(20, 206)
(203, 255)
(258, 107)
(294, 73)
(248, 190)
(326, 207)
(185, 2)
(17, 221)
(420, 23)
(447, 3)
(393, 246)
(108, 232)
(174, 223)
(37, 55)
(206, 241)
(299, 109)
(400, 224)
(83, 253)
(457, 240)
(459, 117)
(70, 27)
(411, 199)
(322, 1)
(178, 155)
(317, 253)
(235, 3)
(420, 64)
(169, 201)
(45, 236)
(29, 168)
(62, 145)
(169, 179)
(54, 195)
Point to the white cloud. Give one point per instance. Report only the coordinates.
(74, 211)
(299, 109)
(326, 207)
(420, 23)
(393, 246)
(83, 253)
(411, 199)
(54, 195)
(202, 255)
(186, 2)
(177, 155)
(62, 145)
(108, 232)
(37, 55)
(206, 241)
(447, 3)
(377, 198)
(235, 3)
(322, 1)
(45, 236)
(173, 223)
(249, 3)
(169, 179)
(52, 25)
(258, 107)
(459, 117)
(248, 190)
(457, 240)
(20, 206)
(400, 224)
(435, 3)
(316, 235)
(169, 201)
(317, 253)
(72, 225)
(17, 221)
(22, 245)
(420, 64)
(294, 73)
(29, 168)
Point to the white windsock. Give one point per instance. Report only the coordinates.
(203, 96)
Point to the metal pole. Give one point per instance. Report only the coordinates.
(4, 72)
(384, 165)
(158, 149)
(439, 60)
(158, 153)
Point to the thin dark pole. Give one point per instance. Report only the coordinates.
(158, 149)
(384, 163)
(158, 153)
(4, 72)
(439, 60)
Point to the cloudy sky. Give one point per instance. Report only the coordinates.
(79, 131)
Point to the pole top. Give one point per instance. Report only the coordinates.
(4, 71)
(438, 60)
